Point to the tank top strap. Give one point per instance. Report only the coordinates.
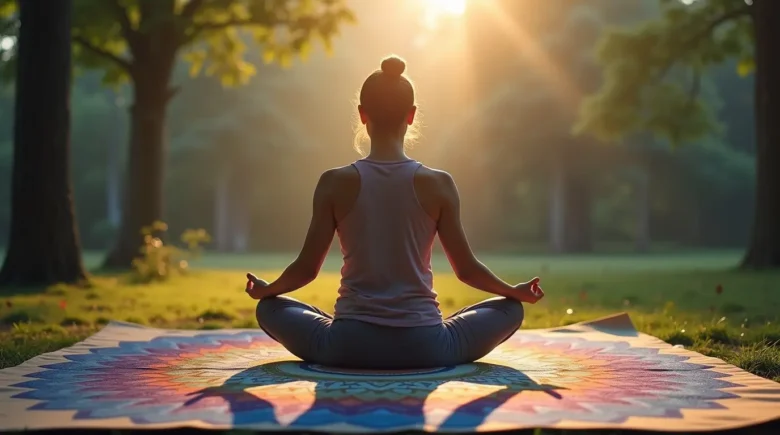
(371, 171)
(386, 180)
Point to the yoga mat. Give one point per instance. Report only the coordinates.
(601, 374)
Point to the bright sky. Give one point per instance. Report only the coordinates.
(436, 10)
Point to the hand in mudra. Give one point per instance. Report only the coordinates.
(255, 286)
(529, 292)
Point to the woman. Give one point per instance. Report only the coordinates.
(387, 210)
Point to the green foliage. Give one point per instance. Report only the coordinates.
(159, 261)
(8, 31)
(653, 73)
(114, 35)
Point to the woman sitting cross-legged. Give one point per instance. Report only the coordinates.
(387, 210)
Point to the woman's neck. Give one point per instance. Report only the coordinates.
(387, 149)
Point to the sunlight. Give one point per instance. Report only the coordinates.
(447, 7)
(437, 10)
(6, 43)
(531, 50)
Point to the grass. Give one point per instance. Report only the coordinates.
(697, 300)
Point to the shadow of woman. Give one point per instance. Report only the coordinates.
(367, 402)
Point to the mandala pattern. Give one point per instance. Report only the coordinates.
(246, 380)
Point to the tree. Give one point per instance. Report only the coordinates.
(215, 142)
(653, 82)
(140, 40)
(550, 73)
(44, 245)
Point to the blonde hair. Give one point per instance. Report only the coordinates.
(387, 96)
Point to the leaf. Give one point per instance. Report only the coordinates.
(7, 8)
(746, 66)
(214, 39)
(196, 58)
(280, 30)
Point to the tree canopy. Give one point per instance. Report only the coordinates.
(653, 82)
(111, 34)
(140, 41)
(653, 72)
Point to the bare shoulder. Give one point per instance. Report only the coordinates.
(341, 186)
(435, 190)
(435, 180)
(335, 178)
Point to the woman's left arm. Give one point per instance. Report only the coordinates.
(307, 266)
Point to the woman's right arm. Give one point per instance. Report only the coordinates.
(464, 263)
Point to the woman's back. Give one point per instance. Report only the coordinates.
(387, 210)
(386, 239)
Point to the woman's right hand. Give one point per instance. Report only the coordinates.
(255, 287)
(529, 292)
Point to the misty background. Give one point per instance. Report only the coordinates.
(497, 112)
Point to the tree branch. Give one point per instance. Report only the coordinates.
(130, 35)
(187, 14)
(102, 53)
(204, 27)
(191, 8)
(683, 48)
(229, 23)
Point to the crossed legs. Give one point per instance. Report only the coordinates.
(314, 336)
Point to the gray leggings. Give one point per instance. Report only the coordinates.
(313, 336)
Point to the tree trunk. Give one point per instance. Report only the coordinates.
(577, 232)
(642, 197)
(44, 246)
(557, 214)
(113, 171)
(240, 221)
(764, 249)
(239, 210)
(222, 211)
(143, 187)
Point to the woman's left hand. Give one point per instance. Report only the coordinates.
(255, 287)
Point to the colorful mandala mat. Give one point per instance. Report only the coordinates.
(601, 374)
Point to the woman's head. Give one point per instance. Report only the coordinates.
(386, 103)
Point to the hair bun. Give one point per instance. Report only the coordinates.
(394, 66)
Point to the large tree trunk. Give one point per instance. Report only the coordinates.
(44, 246)
(143, 187)
(143, 192)
(764, 249)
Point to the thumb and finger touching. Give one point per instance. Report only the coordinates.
(535, 289)
(253, 280)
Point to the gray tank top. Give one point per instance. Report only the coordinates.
(386, 240)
